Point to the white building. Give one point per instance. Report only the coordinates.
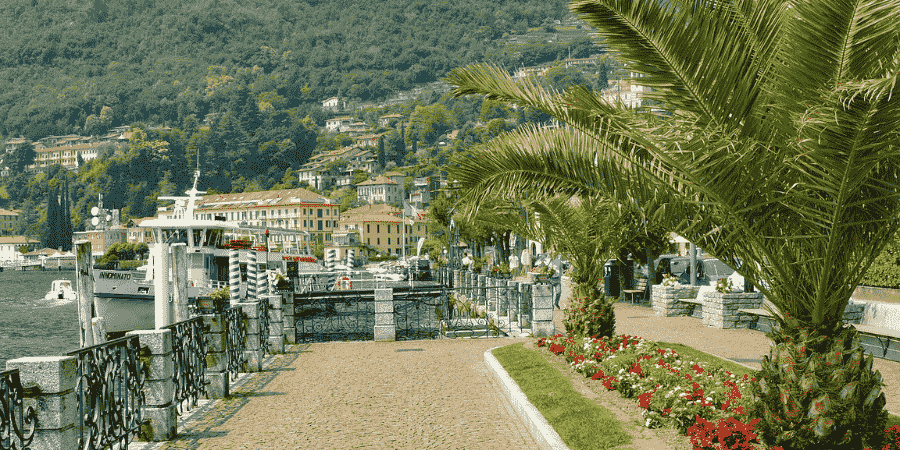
(9, 247)
(380, 190)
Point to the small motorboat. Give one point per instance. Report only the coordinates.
(61, 290)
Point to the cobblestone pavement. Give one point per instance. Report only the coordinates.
(740, 345)
(434, 394)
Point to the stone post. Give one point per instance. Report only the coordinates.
(216, 375)
(159, 389)
(385, 329)
(54, 402)
(253, 352)
(479, 294)
(287, 311)
(180, 282)
(524, 305)
(457, 280)
(542, 302)
(276, 324)
(512, 307)
(251, 277)
(84, 283)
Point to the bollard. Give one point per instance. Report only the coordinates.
(253, 352)
(385, 328)
(542, 305)
(276, 324)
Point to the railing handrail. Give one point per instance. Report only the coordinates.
(189, 358)
(16, 417)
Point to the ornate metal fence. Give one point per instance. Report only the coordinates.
(264, 326)
(418, 313)
(109, 393)
(189, 356)
(17, 423)
(235, 337)
(334, 316)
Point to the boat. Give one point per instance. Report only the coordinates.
(126, 298)
(61, 290)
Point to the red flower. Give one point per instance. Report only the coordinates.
(636, 368)
(598, 375)
(644, 400)
(666, 412)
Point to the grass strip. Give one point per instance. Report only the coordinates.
(582, 424)
(692, 354)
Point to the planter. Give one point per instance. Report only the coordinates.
(541, 277)
(209, 305)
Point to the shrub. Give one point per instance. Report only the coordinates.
(590, 313)
(819, 392)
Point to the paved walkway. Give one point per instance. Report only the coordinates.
(740, 345)
(411, 394)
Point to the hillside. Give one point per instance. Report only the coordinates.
(158, 61)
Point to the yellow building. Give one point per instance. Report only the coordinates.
(291, 209)
(8, 221)
(379, 228)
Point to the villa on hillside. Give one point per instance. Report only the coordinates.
(9, 220)
(380, 189)
(9, 247)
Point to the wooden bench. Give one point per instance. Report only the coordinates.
(640, 288)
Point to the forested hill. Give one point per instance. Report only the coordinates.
(158, 61)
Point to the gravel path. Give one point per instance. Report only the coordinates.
(366, 395)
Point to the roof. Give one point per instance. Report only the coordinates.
(377, 181)
(263, 199)
(393, 174)
(378, 208)
(6, 212)
(392, 116)
(17, 240)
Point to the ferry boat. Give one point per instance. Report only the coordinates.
(126, 298)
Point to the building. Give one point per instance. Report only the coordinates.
(389, 120)
(424, 191)
(136, 233)
(291, 209)
(627, 92)
(9, 220)
(9, 247)
(102, 239)
(333, 104)
(380, 190)
(379, 228)
(336, 124)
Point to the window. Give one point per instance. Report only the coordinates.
(319, 212)
(378, 228)
(389, 241)
(368, 228)
(389, 230)
(378, 241)
(320, 225)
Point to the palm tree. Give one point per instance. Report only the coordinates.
(778, 147)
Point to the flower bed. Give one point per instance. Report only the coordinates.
(710, 406)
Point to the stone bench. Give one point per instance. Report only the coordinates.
(881, 342)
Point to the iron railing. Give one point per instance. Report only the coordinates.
(109, 393)
(335, 316)
(235, 338)
(17, 423)
(418, 313)
(189, 357)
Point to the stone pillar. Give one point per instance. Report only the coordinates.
(457, 280)
(159, 389)
(524, 305)
(84, 283)
(253, 352)
(216, 375)
(180, 282)
(54, 400)
(512, 305)
(385, 329)
(721, 310)
(479, 294)
(287, 311)
(234, 275)
(162, 297)
(276, 324)
(542, 302)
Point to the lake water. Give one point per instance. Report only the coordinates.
(30, 325)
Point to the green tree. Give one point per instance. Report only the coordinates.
(21, 157)
(428, 123)
(781, 153)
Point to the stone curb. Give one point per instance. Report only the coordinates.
(537, 425)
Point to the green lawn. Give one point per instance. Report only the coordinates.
(581, 423)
